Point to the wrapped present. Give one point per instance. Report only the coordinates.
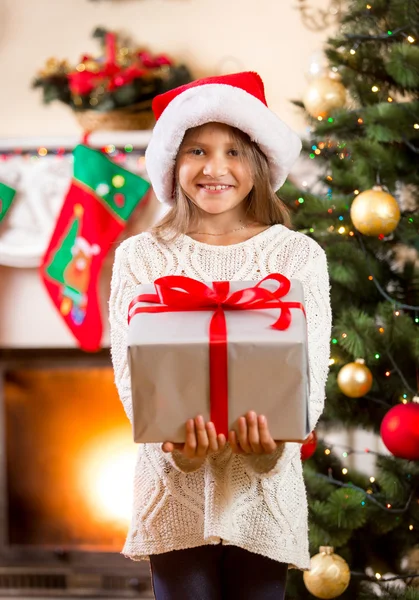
(220, 350)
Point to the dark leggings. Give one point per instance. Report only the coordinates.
(217, 573)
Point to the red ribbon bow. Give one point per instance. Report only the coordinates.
(176, 293)
(110, 74)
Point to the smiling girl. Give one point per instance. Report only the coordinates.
(221, 519)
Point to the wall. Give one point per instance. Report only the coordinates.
(210, 36)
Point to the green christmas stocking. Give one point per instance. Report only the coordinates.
(100, 200)
(6, 198)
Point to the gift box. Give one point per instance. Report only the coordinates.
(218, 349)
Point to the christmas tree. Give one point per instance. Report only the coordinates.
(363, 143)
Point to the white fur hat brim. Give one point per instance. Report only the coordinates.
(223, 104)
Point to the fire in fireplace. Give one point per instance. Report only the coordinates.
(65, 485)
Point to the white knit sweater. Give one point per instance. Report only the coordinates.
(255, 502)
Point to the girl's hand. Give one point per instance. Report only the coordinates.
(253, 436)
(201, 438)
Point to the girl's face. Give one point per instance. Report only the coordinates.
(211, 171)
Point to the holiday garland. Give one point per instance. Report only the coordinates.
(120, 77)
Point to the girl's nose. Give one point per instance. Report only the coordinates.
(215, 166)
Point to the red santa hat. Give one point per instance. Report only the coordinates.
(237, 100)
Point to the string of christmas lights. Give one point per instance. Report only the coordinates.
(348, 450)
(377, 401)
(388, 507)
(363, 37)
(410, 146)
(400, 374)
(380, 289)
(41, 152)
(378, 578)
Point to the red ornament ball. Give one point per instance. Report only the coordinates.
(309, 448)
(400, 431)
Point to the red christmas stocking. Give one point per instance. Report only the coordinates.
(100, 200)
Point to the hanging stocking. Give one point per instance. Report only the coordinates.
(6, 198)
(100, 200)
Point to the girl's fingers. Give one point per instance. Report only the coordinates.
(189, 448)
(268, 444)
(212, 437)
(234, 444)
(253, 432)
(243, 435)
(168, 447)
(221, 438)
(201, 437)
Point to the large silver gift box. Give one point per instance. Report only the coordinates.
(168, 357)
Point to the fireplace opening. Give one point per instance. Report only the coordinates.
(66, 468)
(70, 458)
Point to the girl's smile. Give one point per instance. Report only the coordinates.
(214, 188)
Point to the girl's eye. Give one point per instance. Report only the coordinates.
(197, 151)
(233, 152)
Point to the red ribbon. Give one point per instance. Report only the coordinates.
(110, 74)
(154, 62)
(176, 293)
(110, 48)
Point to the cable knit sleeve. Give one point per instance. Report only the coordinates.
(319, 326)
(123, 285)
(315, 279)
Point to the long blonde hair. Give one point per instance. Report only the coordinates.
(263, 205)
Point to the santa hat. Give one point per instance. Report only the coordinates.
(237, 100)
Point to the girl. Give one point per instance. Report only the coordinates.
(221, 518)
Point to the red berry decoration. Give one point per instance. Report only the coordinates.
(119, 200)
(309, 448)
(400, 431)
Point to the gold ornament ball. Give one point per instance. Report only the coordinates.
(355, 379)
(329, 574)
(323, 95)
(375, 212)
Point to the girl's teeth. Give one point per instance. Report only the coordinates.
(216, 187)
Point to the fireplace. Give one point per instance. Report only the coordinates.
(66, 467)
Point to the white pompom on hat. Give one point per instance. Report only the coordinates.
(237, 100)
